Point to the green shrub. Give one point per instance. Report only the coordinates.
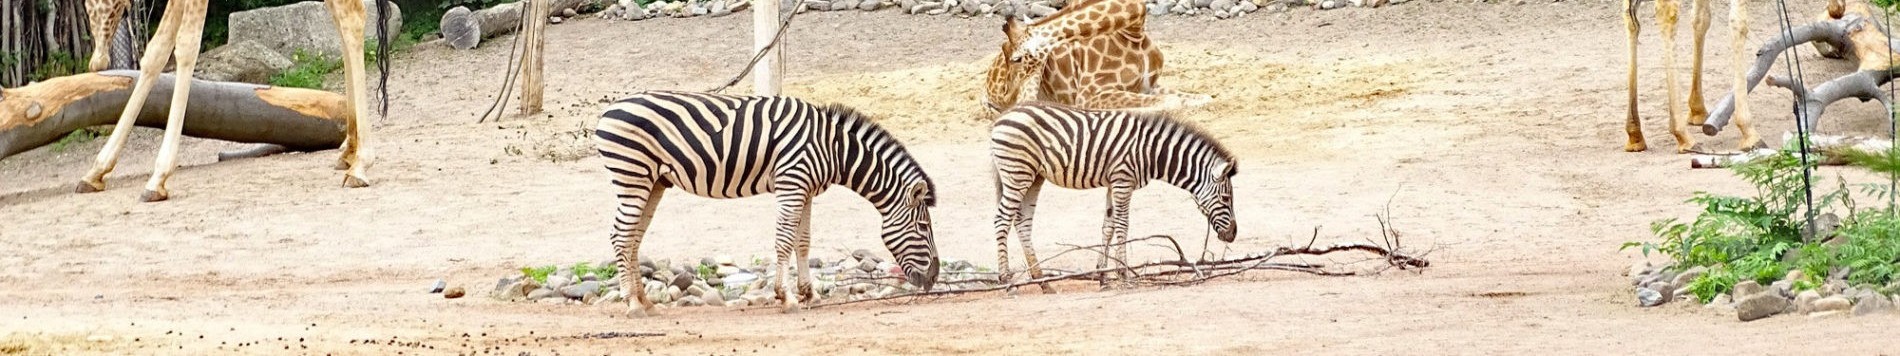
(1760, 238)
(306, 70)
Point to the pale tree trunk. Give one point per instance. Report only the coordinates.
(296, 119)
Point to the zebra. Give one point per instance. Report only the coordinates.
(724, 146)
(1079, 148)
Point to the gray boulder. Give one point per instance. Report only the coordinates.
(1760, 306)
(247, 62)
(305, 25)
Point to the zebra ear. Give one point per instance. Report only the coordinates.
(1227, 169)
(920, 191)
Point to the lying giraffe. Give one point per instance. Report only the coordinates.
(1666, 14)
(1098, 57)
(180, 32)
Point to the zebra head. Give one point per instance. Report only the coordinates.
(907, 232)
(1215, 195)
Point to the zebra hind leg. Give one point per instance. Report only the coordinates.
(635, 213)
(1009, 197)
(803, 248)
(1024, 218)
(1121, 188)
(792, 206)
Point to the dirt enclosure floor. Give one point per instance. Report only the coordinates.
(1494, 130)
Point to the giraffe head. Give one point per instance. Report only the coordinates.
(1004, 81)
(102, 17)
(1034, 44)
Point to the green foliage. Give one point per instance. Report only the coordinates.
(605, 273)
(539, 274)
(1759, 238)
(77, 137)
(306, 70)
(706, 272)
(60, 64)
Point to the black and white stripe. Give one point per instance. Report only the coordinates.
(1085, 149)
(723, 146)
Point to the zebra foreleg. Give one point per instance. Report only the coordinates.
(637, 204)
(793, 203)
(1121, 188)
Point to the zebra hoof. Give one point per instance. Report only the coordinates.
(639, 311)
(1046, 289)
(154, 196)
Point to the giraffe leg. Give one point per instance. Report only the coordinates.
(357, 155)
(185, 52)
(1698, 113)
(1634, 125)
(156, 54)
(637, 204)
(1024, 220)
(103, 20)
(803, 246)
(793, 201)
(1738, 24)
(1666, 13)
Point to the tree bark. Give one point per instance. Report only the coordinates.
(297, 119)
(1854, 33)
(464, 29)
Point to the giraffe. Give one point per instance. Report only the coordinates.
(1667, 12)
(180, 32)
(1114, 67)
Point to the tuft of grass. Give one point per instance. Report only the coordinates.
(306, 71)
(78, 137)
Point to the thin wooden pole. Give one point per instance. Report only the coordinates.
(765, 22)
(536, 24)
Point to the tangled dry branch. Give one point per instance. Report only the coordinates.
(1181, 271)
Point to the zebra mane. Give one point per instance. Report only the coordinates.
(846, 114)
(1165, 119)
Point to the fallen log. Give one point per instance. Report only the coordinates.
(1850, 32)
(1827, 150)
(465, 29)
(295, 119)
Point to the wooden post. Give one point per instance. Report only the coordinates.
(765, 76)
(534, 30)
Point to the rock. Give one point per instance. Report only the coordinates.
(556, 281)
(305, 25)
(727, 270)
(542, 293)
(569, 12)
(1248, 7)
(970, 7)
(713, 298)
(696, 291)
(555, 20)
(1200, 4)
(684, 280)
(888, 268)
(1275, 8)
(906, 5)
(1331, 4)
(723, 260)
(867, 266)
(1804, 302)
(439, 284)
(870, 5)
(927, 7)
(841, 5)
(612, 297)
(1721, 303)
(1834, 303)
(959, 266)
(674, 292)
(740, 303)
(1834, 287)
(1181, 8)
(246, 61)
(1689, 275)
(633, 11)
(814, 262)
(691, 301)
(1646, 297)
(454, 292)
(1871, 303)
(1221, 14)
(1794, 275)
(1744, 289)
(519, 290)
(739, 279)
(1038, 10)
(1758, 306)
(1783, 288)
(1153, 10)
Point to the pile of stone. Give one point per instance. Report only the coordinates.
(1033, 9)
(1749, 300)
(719, 282)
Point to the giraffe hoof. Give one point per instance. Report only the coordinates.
(1747, 146)
(352, 181)
(89, 187)
(154, 196)
(1635, 147)
(1689, 148)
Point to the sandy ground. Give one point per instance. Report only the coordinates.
(1494, 130)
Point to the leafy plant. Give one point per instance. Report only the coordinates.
(60, 64)
(306, 70)
(539, 274)
(77, 137)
